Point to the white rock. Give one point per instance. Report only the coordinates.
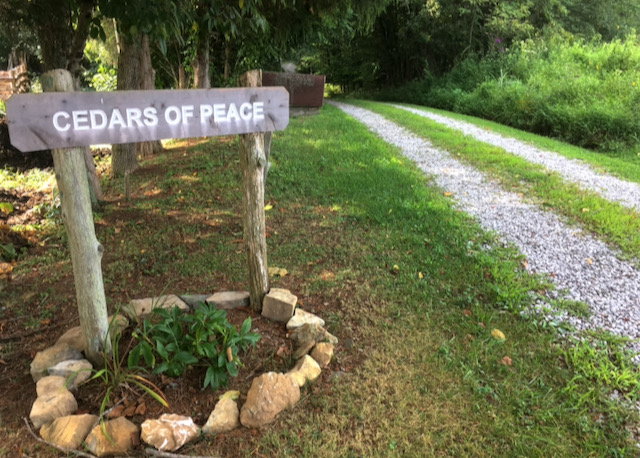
(302, 317)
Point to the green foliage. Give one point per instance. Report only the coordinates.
(173, 341)
(585, 93)
(8, 252)
(3, 109)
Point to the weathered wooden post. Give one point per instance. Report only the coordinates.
(86, 251)
(253, 163)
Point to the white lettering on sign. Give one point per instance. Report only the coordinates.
(134, 118)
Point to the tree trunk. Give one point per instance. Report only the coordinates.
(92, 178)
(123, 156)
(252, 163)
(182, 77)
(227, 57)
(201, 79)
(147, 82)
(86, 251)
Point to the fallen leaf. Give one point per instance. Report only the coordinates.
(231, 394)
(141, 409)
(229, 354)
(466, 312)
(589, 261)
(6, 207)
(584, 210)
(420, 276)
(506, 361)
(268, 207)
(525, 264)
(396, 267)
(498, 334)
(5, 268)
(447, 194)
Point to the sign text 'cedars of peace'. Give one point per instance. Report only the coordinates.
(63, 120)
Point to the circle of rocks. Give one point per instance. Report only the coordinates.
(59, 369)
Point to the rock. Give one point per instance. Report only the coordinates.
(194, 300)
(51, 405)
(49, 385)
(50, 357)
(73, 371)
(75, 338)
(269, 395)
(142, 307)
(229, 299)
(224, 417)
(308, 333)
(122, 435)
(169, 432)
(322, 353)
(70, 431)
(304, 349)
(302, 317)
(278, 305)
(306, 370)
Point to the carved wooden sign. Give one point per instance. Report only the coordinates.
(63, 120)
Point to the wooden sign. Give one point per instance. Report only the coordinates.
(63, 120)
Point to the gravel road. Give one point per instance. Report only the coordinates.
(581, 267)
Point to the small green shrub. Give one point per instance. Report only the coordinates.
(172, 341)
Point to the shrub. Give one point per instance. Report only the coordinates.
(172, 341)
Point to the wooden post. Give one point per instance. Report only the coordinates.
(86, 251)
(253, 163)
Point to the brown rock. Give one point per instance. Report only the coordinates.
(322, 353)
(50, 357)
(121, 436)
(269, 395)
(306, 370)
(50, 385)
(279, 304)
(49, 406)
(304, 349)
(70, 431)
(169, 432)
(225, 417)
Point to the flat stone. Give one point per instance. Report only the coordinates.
(229, 299)
(74, 372)
(302, 317)
(50, 357)
(169, 432)
(279, 304)
(306, 370)
(322, 353)
(121, 434)
(48, 407)
(142, 307)
(269, 395)
(225, 417)
(69, 431)
(194, 301)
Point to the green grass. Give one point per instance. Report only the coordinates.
(434, 381)
(614, 223)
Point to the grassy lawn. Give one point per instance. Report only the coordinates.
(612, 222)
(435, 358)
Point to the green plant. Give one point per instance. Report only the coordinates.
(115, 375)
(8, 252)
(177, 340)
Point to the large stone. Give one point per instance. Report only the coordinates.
(279, 304)
(225, 417)
(302, 317)
(269, 395)
(51, 405)
(308, 333)
(50, 357)
(50, 385)
(229, 299)
(74, 337)
(194, 301)
(142, 307)
(74, 372)
(303, 349)
(322, 353)
(306, 370)
(70, 431)
(169, 432)
(121, 437)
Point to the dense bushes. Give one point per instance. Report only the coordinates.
(586, 93)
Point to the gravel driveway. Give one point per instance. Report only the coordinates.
(581, 267)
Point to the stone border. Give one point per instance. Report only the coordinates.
(59, 369)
